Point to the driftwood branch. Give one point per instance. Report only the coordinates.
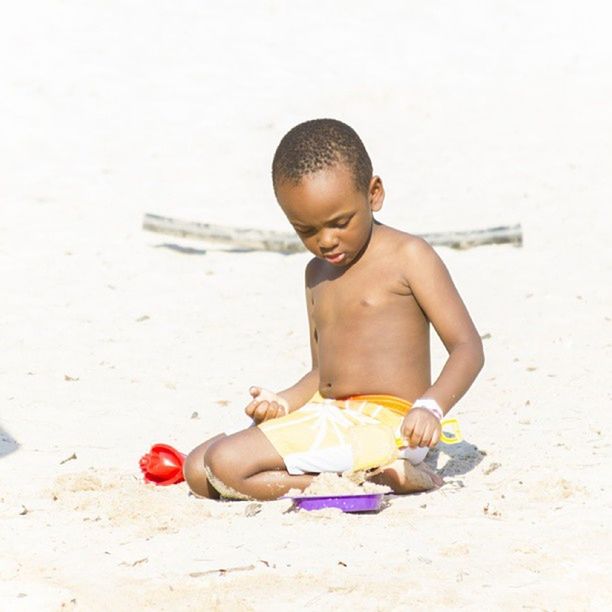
(261, 240)
(505, 234)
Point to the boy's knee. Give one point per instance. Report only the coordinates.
(195, 476)
(223, 461)
(223, 464)
(192, 467)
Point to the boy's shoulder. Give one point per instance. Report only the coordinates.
(388, 245)
(391, 235)
(406, 248)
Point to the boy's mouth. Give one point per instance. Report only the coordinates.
(335, 258)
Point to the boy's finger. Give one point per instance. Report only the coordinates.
(260, 411)
(272, 412)
(406, 430)
(254, 391)
(407, 435)
(428, 437)
(250, 408)
(253, 414)
(415, 438)
(425, 438)
(435, 438)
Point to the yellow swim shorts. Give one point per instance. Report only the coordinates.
(327, 435)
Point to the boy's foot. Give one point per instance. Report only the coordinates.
(403, 477)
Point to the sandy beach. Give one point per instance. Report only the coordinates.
(475, 115)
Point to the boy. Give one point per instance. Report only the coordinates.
(371, 293)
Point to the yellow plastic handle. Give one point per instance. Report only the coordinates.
(451, 432)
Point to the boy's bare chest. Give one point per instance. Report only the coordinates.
(354, 298)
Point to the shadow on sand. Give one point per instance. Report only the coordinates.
(463, 458)
(8, 444)
(171, 246)
(185, 250)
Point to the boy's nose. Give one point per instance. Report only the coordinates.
(328, 240)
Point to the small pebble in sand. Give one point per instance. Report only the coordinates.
(491, 468)
(71, 458)
(252, 509)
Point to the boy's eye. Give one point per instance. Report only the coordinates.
(304, 231)
(342, 223)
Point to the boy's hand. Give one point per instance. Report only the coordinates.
(421, 428)
(266, 405)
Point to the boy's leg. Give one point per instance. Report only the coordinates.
(194, 472)
(403, 477)
(246, 462)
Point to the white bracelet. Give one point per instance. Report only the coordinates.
(428, 403)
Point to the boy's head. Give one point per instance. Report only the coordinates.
(317, 145)
(323, 181)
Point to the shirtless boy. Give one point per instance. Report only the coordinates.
(371, 293)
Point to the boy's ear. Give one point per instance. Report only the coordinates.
(376, 193)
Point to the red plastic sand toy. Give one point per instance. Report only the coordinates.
(162, 465)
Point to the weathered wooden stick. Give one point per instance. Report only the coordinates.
(505, 234)
(241, 238)
(262, 240)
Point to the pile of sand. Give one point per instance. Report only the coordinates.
(330, 484)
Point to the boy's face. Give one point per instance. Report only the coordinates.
(330, 215)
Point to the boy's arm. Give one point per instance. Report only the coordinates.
(300, 393)
(268, 405)
(303, 390)
(436, 294)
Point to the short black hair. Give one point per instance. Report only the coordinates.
(318, 144)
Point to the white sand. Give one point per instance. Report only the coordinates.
(475, 114)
